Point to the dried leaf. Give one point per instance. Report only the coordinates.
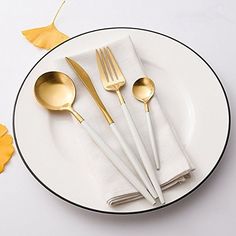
(6, 147)
(46, 37)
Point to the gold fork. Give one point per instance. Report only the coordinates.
(113, 80)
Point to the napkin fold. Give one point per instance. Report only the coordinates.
(175, 165)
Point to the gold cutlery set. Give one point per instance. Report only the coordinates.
(56, 91)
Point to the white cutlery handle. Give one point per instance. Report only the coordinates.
(134, 161)
(118, 163)
(143, 153)
(152, 140)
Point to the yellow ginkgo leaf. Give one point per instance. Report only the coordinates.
(3, 130)
(6, 147)
(46, 37)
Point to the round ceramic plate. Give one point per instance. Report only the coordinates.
(190, 91)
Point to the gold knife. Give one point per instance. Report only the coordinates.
(84, 77)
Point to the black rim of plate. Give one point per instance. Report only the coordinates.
(122, 213)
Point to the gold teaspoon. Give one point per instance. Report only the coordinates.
(143, 90)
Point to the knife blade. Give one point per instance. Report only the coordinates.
(84, 77)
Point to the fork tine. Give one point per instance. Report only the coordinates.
(107, 64)
(115, 64)
(101, 66)
(110, 64)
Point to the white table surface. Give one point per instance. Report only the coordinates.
(207, 26)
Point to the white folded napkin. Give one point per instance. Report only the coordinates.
(174, 162)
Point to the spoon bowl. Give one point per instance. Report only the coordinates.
(55, 91)
(143, 89)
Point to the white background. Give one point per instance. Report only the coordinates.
(207, 26)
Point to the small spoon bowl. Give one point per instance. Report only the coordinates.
(55, 91)
(143, 89)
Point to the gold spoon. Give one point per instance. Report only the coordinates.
(143, 91)
(56, 91)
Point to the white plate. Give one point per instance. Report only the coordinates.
(201, 117)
